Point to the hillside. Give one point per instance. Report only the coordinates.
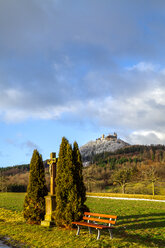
(134, 169)
(15, 178)
(104, 144)
(140, 167)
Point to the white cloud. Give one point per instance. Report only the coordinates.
(146, 137)
(28, 144)
(17, 115)
(73, 65)
(142, 111)
(143, 67)
(158, 95)
(139, 104)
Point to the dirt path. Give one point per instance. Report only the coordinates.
(124, 198)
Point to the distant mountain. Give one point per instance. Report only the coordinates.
(108, 143)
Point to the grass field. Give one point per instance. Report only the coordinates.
(140, 224)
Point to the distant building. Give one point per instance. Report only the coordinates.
(111, 137)
(108, 137)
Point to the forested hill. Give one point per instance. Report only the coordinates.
(125, 154)
(142, 166)
(133, 169)
(15, 169)
(16, 178)
(132, 153)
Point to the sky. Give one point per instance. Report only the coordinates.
(80, 69)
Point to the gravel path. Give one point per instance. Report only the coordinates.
(124, 198)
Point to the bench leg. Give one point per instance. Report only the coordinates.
(98, 236)
(110, 232)
(78, 230)
(90, 230)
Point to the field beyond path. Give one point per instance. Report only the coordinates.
(140, 224)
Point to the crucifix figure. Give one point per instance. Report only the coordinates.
(52, 171)
(50, 199)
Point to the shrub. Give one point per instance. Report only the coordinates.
(34, 204)
(78, 180)
(70, 190)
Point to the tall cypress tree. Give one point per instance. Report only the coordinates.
(68, 206)
(34, 204)
(81, 190)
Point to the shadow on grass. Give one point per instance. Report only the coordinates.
(148, 240)
(134, 218)
(145, 223)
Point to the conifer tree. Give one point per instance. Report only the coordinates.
(68, 205)
(34, 204)
(81, 190)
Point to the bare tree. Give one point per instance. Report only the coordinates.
(122, 177)
(152, 174)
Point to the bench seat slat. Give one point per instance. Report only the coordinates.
(92, 225)
(100, 220)
(101, 215)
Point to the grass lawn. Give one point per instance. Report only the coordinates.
(140, 224)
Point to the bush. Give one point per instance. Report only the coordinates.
(70, 190)
(34, 204)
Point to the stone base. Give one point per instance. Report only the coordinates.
(47, 223)
(50, 201)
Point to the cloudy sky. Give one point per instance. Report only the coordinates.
(79, 69)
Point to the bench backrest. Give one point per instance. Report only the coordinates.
(104, 218)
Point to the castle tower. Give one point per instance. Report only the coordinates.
(115, 134)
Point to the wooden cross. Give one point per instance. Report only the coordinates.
(52, 170)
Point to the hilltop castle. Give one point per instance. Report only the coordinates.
(108, 137)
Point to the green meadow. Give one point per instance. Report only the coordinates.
(139, 224)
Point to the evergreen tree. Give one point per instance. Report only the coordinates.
(68, 202)
(34, 204)
(81, 190)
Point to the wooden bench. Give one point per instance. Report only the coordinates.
(92, 222)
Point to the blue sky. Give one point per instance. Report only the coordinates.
(79, 69)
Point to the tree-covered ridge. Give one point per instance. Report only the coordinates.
(134, 153)
(133, 169)
(15, 169)
(15, 178)
(147, 161)
(129, 151)
(12, 170)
